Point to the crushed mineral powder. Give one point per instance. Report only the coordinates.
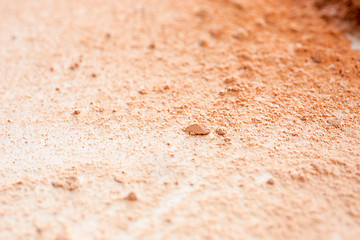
(197, 129)
(131, 167)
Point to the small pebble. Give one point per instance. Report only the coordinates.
(74, 66)
(203, 43)
(221, 131)
(270, 181)
(197, 129)
(76, 112)
(230, 80)
(233, 89)
(131, 197)
(152, 46)
(142, 91)
(107, 35)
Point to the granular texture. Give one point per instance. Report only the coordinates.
(280, 77)
(69, 183)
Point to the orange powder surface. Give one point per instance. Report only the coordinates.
(95, 97)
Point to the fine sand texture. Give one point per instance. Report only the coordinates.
(177, 119)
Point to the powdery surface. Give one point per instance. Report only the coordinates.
(95, 95)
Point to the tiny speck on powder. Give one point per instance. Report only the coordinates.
(152, 46)
(131, 197)
(142, 91)
(270, 181)
(229, 80)
(334, 122)
(76, 112)
(74, 66)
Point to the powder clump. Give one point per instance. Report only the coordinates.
(68, 183)
(221, 131)
(197, 129)
(131, 197)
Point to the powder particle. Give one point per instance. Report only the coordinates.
(197, 129)
(301, 178)
(131, 197)
(230, 80)
(203, 43)
(68, 183)
(74, 66)
(99, 109)
(201, 13)
(118, 180)
(152, 46)
(222, 93)
(334, 122)
(76, 112)
(142, 91)
(233, 89)
(240, 35)
(318, 56)
(221, 131)
(107, 35)
(270, 181)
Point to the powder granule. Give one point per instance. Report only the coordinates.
(197, 129)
